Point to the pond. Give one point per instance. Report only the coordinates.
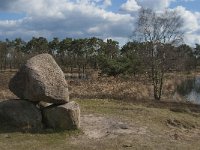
(190, 90)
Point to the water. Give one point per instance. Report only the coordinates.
(190, 90)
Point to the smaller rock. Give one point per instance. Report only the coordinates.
(20, 114)
(62, 117)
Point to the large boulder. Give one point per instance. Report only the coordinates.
(20, 114)
(40, 79)
(62, 117)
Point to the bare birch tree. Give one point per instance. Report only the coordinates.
(158, 31)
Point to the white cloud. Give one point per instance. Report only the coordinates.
(130, 6)
(84, 18)
(190, 19)
(62, 18)
(191, 24)
(192, 39)
(107, 3)
(155, 4)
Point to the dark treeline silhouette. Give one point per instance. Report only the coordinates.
(69, 53)
(94, 53)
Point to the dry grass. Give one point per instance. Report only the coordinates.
(114, 88)
(4, 80)
(105, 87)
(155, 128)
(152, 128)
(137, 89)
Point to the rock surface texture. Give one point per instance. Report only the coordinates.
(65, 116)
(40, 79)
(20, 114)
(44, 98)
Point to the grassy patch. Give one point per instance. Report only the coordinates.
(131, 111)
(46, 140)
(154, 128)
(166, 129)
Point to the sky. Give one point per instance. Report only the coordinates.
(88, 18)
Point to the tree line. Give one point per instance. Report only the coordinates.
(133, 58)
(94, 53)
(69, 53)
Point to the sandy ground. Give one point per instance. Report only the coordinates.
(96, 127)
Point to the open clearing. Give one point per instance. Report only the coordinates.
(110, 124)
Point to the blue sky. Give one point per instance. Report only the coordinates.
(86, 18)
(11, 15)
(192, 5)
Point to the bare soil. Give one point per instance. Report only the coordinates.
(96, 127)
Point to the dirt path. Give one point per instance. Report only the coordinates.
(106, 132)
(96, 127)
